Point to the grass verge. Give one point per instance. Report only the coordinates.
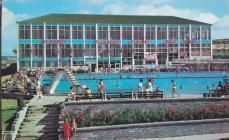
(9, 110)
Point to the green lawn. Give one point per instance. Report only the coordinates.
(9, 109)
(6, 77)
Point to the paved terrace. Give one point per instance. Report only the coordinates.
(43, 119)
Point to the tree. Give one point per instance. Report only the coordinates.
(14, 50)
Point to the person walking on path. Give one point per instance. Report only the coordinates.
(174, 87)
(101, 87)
(67, 130)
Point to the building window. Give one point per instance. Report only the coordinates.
(90, 32)
(184, 33)
(64, 32)
(138, 33)
(90, 51)
(150, 33)
(24, 32)
(38, 50)
(38, 63)
(173, 52)
(51, 50)
(78, 50)
(51, 32)
(161, 58)
(195, 33)
(206, 33)
(161, 33)
(77, 32)
(127, 54)
(24, 64)
(103, 33)
(115, 33)
(65, 50)
(173, 33)
(24, 51)
(103, 50)
(37, 32)
(115, 50)
(127, 33)
(150, 48)
(138, 54)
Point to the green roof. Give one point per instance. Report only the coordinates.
(109, 19)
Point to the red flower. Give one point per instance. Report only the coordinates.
(103, 122)
(172, 110)
(103, 113)
(114, 114)
(195, 110)
(206, 109)
(80, 115)
(226, 104)
(221, 107)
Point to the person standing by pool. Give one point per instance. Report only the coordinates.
(140, 87)
(72, 94)
(101, 88)
(149, 86)
(174, 87)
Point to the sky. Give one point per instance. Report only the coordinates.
(215, 12)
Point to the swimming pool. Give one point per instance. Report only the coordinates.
(187, 82)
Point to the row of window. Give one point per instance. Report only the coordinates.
(103, 33)
(103, 51)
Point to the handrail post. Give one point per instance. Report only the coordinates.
(132, 94)
(105, 95)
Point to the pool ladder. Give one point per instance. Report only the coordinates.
(71, 77)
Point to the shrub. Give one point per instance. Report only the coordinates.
(89, 118)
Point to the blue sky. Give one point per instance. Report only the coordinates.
(211, 11)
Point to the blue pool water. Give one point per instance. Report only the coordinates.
(187, 82)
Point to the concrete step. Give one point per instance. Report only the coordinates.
(40, 138)
(36, 135)
(34, 123)
(46, 119)
(44, 115)
(42, 108)
(42, 130)
(39, 127)
(40, 112)
(26, 138)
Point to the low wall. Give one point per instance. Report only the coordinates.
(154, 130)
(11, 135)
(116, 105)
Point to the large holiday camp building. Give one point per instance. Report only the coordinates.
(116, 41)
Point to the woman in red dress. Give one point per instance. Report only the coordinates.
(67, 130)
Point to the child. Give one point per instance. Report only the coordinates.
(74, 126)
(67, 130)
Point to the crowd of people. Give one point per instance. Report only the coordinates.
(23, 82)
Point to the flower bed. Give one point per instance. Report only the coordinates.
(88, 118)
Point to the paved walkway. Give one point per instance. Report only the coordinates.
(41, 120)
(224, 136)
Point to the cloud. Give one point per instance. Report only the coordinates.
(220, 28)
(207, 17)
(9, 30)
(147, 9)
(223, 22)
